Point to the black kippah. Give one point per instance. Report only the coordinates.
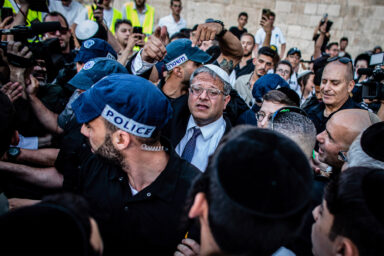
(372, 141)
(270, 176)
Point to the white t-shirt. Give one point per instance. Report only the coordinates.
(277, 37)
(108, 16)
(172, 26)
(75, 13)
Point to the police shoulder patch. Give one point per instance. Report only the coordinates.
(89, 65)
(89, 43)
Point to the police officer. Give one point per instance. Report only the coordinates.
(139, 199)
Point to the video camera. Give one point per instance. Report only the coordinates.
(48, 50)
(373, 88)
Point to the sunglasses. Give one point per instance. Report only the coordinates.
(286, 110)
(343, 60)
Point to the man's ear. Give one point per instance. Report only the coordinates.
(15, 138)
(199, 207)
(179, 71)
(226, 101)
(351, 84)
(345, 247)
(121, 139)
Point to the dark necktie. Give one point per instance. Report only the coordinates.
(189, 149)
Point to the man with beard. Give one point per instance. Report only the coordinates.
(246, 65)
(263, 63)
(139, 198)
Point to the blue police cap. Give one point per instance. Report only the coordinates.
(181, 50)
(93, 48)
(267, 83)
(131, 103)
(94, 70)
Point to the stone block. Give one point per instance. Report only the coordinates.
(294, 31)
(283, 6)
(333, 10)
(310, 8)
(378, 12)
(321, 9)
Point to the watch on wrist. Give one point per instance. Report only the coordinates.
(13, 152)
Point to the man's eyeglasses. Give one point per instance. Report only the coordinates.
(282, 71)
(286, 110)
(261, 115)
(342, 156)
(211, 92)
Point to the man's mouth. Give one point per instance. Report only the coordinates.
(202, 106)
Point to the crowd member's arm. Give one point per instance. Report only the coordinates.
(17, 73)
(21, 16)
(46, 117)
(45, 156)
(15, 203)
(152, 52)
(43, 177)
(320, 40)
(282, 50)
(266, 24)
(230, 46)
(98, 13)
(126, 53)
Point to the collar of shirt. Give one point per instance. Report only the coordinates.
(163, 186)
(173, 19)
(208, 130)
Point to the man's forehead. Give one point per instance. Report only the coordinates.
(56, 18)
(334, 70)
(206, 79)
(265, 57)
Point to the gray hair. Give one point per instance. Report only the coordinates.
(357, 156)
(298, 128)
(227, 86)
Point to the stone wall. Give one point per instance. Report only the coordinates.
(362, 21)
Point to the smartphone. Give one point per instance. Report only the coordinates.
(97, 3)
(6, 12)
(138, 30)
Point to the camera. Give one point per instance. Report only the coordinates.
(373, 88)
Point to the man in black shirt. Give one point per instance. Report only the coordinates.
(242, 20)
(136, 184)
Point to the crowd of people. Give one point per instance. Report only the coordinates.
(120, 136)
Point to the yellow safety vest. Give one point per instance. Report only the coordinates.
(116, 16)
(31, 16)
(134, 17)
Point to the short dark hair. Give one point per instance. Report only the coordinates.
(174, 1)
(250, 35)
(272, 14)
(278, 97)
(344, 39)
(350, 198)
(57, 14)
(7, 122)
(119, 22)
(243, 14)
(285, 62)
(265, 50)
(332, 44)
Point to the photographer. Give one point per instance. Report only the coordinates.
(321, 37)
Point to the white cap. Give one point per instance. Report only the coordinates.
(219, 71)
(86, 29)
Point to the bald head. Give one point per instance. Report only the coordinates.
(351, 122)
(341, 130)
(346, 69)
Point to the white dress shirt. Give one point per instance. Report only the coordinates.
(206, 143)
(277, 37)
(172, 26)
